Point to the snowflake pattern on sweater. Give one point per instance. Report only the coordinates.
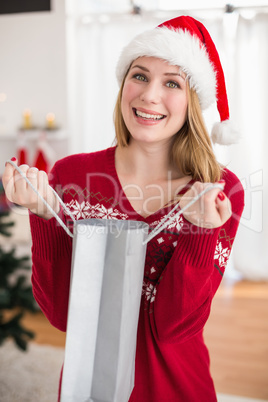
(222, 254)
(175, 224)
(85, 210)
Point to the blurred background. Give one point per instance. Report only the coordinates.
(57, 95)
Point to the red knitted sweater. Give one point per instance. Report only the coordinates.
(183, 269)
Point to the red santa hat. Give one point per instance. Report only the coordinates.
(185, 42)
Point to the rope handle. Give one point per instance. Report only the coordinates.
(166, 221)
(56, 216)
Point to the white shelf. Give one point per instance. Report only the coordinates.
(34, 134)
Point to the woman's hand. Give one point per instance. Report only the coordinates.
(19, 192)
(212, 210)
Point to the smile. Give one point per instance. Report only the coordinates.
(148, 116)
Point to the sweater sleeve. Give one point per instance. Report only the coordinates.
(51, 267)
(191, 278)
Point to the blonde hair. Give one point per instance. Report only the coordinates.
(191, 150)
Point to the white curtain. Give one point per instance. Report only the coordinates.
(94, 45)
(249, 90)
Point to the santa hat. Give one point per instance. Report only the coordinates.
(185, 42)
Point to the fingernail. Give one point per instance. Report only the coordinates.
(13, 159)
(221, 196)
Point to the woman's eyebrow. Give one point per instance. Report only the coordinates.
(175, 74)
(172, 74)
(141, 67)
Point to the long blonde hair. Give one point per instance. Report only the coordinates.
(191, 151)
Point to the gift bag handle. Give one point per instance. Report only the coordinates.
(162, 225)
(167, 220)
(56, 216)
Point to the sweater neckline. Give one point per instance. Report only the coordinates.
(154, 215)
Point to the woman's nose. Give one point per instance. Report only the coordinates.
(151, 93)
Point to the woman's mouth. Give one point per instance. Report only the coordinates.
(148, 116)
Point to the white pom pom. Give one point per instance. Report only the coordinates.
(224, 133)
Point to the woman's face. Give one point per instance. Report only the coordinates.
(154, 100)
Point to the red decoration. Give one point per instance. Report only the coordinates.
(22, 156)
(22, 150)
(41, 161)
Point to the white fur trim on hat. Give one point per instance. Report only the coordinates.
(224, 133)
(177, 47)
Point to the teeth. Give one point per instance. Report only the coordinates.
(149, 116)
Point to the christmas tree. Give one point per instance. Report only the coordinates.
(15, 295)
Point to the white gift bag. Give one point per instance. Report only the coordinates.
(105, 292)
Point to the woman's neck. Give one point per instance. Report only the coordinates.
(147, 177)
(147, 162)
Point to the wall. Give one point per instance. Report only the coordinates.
(32, 72)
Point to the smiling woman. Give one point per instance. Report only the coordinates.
(162, 148)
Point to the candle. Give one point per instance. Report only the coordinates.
(50, 121)
(27, 119)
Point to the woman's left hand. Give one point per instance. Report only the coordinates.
(212, 210)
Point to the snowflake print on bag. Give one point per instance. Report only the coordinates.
(221, 254)
(85, 211)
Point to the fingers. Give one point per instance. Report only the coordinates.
(46, 191)
(210, 191)
(42, 181)
(16, 187)
(21, 192)
(224, 206)
(8, 178)
(20, 184)
(201, 196)
(211, 210)
(32, 175)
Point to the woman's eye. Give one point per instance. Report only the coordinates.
(172, 84)
(140, 77)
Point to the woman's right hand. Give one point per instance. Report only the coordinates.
(19, 192)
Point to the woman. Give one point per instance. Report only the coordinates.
(163, 156)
